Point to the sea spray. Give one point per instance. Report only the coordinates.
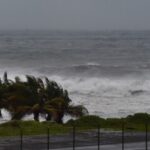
(107, 71)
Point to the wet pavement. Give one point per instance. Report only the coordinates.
(130, 146)
(109, 140)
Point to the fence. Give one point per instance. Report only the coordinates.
(74, 138)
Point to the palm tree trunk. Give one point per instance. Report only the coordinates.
(48, 117)
(59, 119)
(0, 114)
(36, 116)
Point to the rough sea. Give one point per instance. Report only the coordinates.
(106, 71)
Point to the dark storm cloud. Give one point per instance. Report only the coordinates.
(75, 14)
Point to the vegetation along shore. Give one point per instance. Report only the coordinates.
(40, 96)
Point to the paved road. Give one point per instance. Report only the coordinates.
(84, 141)
(131, 146)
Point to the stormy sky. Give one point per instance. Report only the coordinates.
(75, 14)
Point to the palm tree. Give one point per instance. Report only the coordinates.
(3, 90)
(34, 97)
(61, 108)
(1, 97)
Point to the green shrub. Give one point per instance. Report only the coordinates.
(87, 121)
(138, 118)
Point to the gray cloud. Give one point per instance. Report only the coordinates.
(75, 14)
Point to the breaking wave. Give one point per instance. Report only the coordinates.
(108, 72)
(103, 86)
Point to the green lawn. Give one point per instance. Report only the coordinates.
(131, 123)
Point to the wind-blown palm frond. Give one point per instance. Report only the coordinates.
(20, 112)
(35, 96)
(77, 111)
(17, 79)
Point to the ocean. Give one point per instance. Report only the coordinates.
(106, 71)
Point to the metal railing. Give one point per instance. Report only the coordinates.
(76, 138)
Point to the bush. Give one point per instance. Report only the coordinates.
(87, 121)
(138, 118)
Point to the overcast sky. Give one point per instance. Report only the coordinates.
(75, 14)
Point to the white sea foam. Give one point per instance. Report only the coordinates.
(108, 97)
(93, 64)
(109, 74)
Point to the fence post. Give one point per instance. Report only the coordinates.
(48, 139)
(98, 136)
(146, 135)
(74, 136)
(123, 135)
(21, 139)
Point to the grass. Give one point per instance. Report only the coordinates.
(132, 123)
(13, 128)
